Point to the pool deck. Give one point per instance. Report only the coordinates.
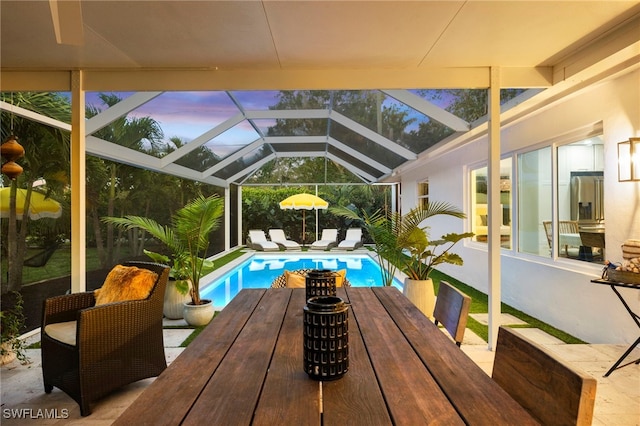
(617, 396)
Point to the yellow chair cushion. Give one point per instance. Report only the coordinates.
(340, 277)
(295, 280)
(126, 283)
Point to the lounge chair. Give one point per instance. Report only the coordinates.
(352, 240)
(258, 241)
(278, 237)
(328, 240)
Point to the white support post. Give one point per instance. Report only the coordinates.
(317, 216)
(495, 213)
(78, 184)
(227, 218)
(240, 240)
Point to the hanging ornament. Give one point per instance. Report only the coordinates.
(12, 169)
(11, 150)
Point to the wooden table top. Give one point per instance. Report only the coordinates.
(246, 368)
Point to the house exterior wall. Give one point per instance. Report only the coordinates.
(557, 292)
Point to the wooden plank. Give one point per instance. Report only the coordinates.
(168, 399)
(411, 394)
(355, 399)
(551, 390)
(232, 394)
(475, 395)
(289, 396)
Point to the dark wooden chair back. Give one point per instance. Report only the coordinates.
(551, 390)
(452, 310)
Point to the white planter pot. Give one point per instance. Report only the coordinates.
(174, 301)
(422, 294)
(197, 315)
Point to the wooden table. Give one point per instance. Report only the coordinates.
(246, 368)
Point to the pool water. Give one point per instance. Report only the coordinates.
(260, 271)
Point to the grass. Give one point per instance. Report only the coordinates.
(59, 265)
(479, 304)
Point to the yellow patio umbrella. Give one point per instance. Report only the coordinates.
(39, 207)
(303, 202)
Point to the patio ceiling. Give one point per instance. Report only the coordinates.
(228, 49)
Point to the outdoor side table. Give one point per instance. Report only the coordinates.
(635, 316)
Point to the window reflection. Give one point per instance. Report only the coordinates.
(580, 199)
(480, 210)
(577, 232)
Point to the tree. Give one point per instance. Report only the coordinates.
(135, 133)
(46, 157)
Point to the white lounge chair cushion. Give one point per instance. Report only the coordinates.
(260, 239)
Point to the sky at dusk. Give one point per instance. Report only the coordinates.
(187, 115)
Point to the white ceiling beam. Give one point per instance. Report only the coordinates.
(351, 168)
(294, 154)
(371, 135)
(118, 153)
(251, 168)
(295, 139)
(67, 21)
(429, 109)
(286, 114)
(32, 115)
(114, 152)
(625, 36)
(118, 110)
(360, 155)
(203, 138)
(234, 157)
(336, 79)
(187, 173)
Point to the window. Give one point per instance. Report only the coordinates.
(576, 231)
(534, 201)
(423, 194)
(479, 208)
(580, 199)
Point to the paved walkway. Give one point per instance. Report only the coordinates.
(617, 396)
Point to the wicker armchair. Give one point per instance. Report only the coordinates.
(116, 343)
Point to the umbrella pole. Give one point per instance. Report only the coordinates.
(303, 227)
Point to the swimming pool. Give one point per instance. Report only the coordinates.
(260, 270)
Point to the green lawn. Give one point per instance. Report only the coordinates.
(479, 304)
(59, 265)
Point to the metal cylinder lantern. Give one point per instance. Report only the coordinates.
(326, 337)
(320, 282)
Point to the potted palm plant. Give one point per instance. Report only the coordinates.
(187, 238)
(402, 242)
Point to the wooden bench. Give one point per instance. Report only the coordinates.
(550, 390)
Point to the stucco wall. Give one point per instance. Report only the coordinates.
(560, 292)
